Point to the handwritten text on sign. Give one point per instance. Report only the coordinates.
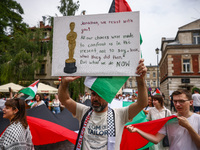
(97, 45)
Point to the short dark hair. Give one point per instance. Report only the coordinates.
(21, 114)
(183, 91)
(159, 98)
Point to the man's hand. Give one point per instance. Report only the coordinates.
(66, 80)
(64, 96)
(183, 122)
(141, 69)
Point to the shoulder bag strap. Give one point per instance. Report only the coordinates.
(82, 122)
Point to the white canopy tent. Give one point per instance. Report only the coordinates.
(14, 87)
(43, 88)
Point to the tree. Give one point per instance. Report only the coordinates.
(22, 57)
(68, 7)
(10, 19)
(195, 88)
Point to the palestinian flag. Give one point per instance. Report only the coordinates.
(139, 118)
(151, 127)
(121, 6)
(157, 92)
(30, 103)
(30, 91)
(49, 130)
(105, 87)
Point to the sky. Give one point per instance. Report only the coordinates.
(158, 18)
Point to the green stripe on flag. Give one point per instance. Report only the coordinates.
(107, 87)
(139, 118)
(141, 39)
(28, 91)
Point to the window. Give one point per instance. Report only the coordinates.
(130, 83)
(148, 75)
(154, 83)
(148, 83)
(135, 83)
(43, 48)
(186, 65)
(154, 74)
(44, 35)
(196, 38)
(42, 70)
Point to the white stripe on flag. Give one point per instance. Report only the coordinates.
(89, 81)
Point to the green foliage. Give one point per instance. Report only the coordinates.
(77, 87)
(195, 88)
(22, 56)
(68, 7)
(10, 19)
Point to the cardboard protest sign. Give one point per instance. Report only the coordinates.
(96, 45)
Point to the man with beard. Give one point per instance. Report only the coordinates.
(102, 127)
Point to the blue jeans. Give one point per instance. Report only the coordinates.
(196, 108)
(56, 110)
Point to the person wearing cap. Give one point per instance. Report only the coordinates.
(102, 127)
(183, 133)
(46, 100)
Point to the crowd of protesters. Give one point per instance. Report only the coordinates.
(154, 110)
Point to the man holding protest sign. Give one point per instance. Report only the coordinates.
(101, 126)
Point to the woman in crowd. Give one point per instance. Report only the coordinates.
(39, 101)
(149, 106)
(157, 112)
(17, 135)
(56, 105)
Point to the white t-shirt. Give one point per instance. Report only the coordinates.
(155, 114)
(196, 99)
(179, 137)
(56, 103)
(95, 135)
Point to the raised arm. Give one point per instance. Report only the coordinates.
(194, 135)
(63, 94)
(152, 138)
(142, 100)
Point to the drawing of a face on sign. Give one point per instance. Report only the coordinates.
(71, 62)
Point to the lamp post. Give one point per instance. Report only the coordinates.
(157, 52)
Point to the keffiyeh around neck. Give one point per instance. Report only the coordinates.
(110, 124)
(16, 137)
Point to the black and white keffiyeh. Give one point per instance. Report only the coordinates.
(110, 124)
(16, 137)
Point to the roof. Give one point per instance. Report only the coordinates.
(14, 87)
(196, 21)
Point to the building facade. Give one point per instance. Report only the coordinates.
(151, 79)
(44, 74)
(180, 61)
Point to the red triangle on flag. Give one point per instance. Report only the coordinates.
(34, 84)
